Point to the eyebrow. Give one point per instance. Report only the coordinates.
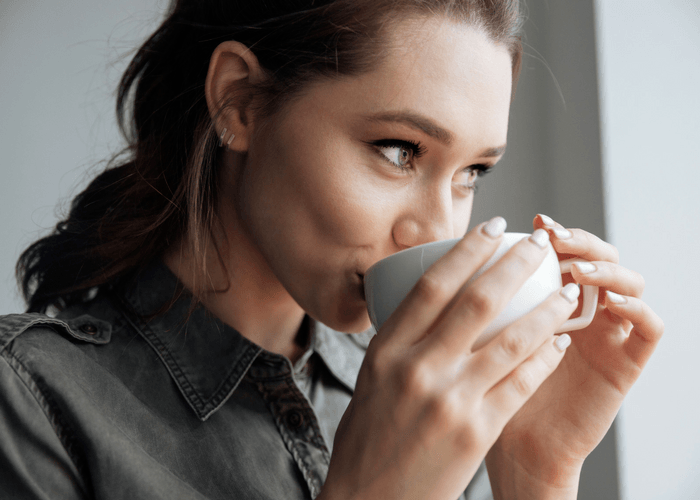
(493, 152)
(429, 128)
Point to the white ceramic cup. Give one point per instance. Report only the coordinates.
(388, 282)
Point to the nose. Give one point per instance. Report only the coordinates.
(427, 217)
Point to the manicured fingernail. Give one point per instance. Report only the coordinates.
(562, 342)
(615, 298)
(540, 238)
(548, 221)
(585, 267)
(495, 227)
(570, 292)
(562, 234)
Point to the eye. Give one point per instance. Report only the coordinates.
(399, 153)
(466, 178)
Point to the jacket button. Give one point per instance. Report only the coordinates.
(295, 419)
(88, 328)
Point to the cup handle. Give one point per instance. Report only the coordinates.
(590, 302)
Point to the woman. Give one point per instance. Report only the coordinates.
(277, 150)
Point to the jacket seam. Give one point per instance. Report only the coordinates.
(52, 415)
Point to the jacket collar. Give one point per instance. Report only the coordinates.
(206, 358)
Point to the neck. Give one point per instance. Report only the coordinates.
(242, 291)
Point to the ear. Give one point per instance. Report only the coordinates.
(233, 71)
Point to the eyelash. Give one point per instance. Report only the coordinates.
(417, 150)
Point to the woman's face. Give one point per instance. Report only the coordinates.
(361, 167)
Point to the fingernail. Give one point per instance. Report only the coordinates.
(615, 298)
(585, 267)
(540, 238)
(495, 227)
(570, 292)
(548, 221)
(562, 234)
(562, 342)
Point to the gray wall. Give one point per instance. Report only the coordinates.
(650, 101)
(59, 66)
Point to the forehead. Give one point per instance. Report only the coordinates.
(450, 72)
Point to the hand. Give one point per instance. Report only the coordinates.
(547, 441)
(426, 409)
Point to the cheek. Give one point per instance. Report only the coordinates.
(462, 216)
(352, 210)
(311, 211)
(333, 197)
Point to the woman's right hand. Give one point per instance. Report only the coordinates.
(426, 409)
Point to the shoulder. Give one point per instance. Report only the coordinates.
(35, 432)
(39, 341)
(83, 328)
(42, 350)
(77, 344)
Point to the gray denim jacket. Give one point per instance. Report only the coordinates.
(116, 399)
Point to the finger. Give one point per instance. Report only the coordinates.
(478, 304)
(439, 284)
(647, 326)
(555, 229)
(508, 396)
(516, 343)
(545, 221)
(577, 241)
(609, 276)
(585, 245)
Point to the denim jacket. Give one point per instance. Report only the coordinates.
(119, 398)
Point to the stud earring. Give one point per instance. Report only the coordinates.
(221, 137)
(233, 136)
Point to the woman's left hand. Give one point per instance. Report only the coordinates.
(544, 445)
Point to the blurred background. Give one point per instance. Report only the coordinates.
(605, 135)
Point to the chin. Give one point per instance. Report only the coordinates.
(348, 319)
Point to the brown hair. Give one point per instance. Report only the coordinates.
(166, 187)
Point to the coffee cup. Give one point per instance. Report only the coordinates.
(390, 280)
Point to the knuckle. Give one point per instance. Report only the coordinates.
(513, 344)
(522, 259)
(446, 412)
(430, 288)
(524, 383)
(416, 378)
(660, 327)
(657, 324)
(578, 235)
(547, 311)
(614, 253)
(642, 283)
(467, 438)
(549, 363)
(376, 362)
(481, 300)
(615, 258)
